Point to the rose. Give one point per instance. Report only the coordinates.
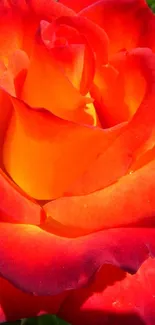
(77, 160)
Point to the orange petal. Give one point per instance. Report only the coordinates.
(51, 89)
(115, 91)
(77, 60)
(44, 155)
(116, 160)
(128, 202)
(124, 21)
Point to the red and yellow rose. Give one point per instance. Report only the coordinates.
(77, 160)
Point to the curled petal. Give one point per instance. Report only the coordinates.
(76, 60)
(96, 36)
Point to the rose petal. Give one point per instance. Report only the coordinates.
(5, 113)
(114, 298)
(128, 202)
(44, 154)
(119, 83)
(51, 264)
(10, 33)
(29, 306)
(48, 10)
(129, 20)
(15, 206)
(77, 5)
(18, 66)
(115, 161)
(96, 36)
(77, 60)
(44, 92)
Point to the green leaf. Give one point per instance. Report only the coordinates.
(151, 4)
(42, 320)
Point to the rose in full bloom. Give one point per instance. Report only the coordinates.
(77, 160)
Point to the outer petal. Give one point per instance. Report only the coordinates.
(49, 9)
(22, 19)
(124, 21)
(44, 154)
(51, 264)
(15, 304)
(114, 298)
(77, 5)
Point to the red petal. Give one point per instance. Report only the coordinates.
(62, 263)
(15, 304)
(96, 36)
(77, 5)
(5, 113)
(124, 21)
(114, 298)
(49, 9)
(10, 33)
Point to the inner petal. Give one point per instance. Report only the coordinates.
(115, 90)
(52, 90)
(44, 154)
